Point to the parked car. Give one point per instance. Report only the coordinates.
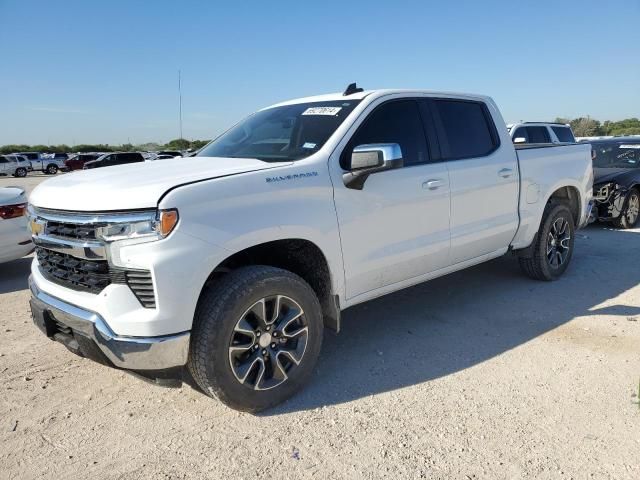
(41, 162)
(77, 162)
(29, 156)
(15, 165)
(170, 153)
(112, 159)
(616, 191)
(15, 240)
(540, 132)
(233, 264)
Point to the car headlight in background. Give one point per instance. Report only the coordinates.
(143, 226)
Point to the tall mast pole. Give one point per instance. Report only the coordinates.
(180, 100)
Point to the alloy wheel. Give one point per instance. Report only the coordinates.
(268, 342)
(558, 242)
(633, 208)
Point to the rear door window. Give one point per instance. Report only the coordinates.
(564, 134)
(465, 129)
(538, 135)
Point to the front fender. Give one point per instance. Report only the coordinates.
(245, 210)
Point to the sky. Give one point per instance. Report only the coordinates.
(84, 71)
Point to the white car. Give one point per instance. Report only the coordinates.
(14, 165)
(233, 261)
(15, 239)
(541, 132)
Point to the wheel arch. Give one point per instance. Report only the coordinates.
(300, 256)
(570, 195)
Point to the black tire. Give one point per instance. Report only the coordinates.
(535, 261)
(21, 172)
(629, 218)
(51, 169)
(220, 310)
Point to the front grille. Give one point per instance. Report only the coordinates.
(94, 275)
(72, 272)
(70, 230)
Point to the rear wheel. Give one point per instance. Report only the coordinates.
(549, 255)
(51, 169)
(629, 216)
(256, 338)
(21, 172)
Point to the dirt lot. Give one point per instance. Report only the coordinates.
(481, 374)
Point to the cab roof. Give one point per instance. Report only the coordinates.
(338, 96)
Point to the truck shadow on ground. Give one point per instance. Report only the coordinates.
(14, 275)
(452, 323)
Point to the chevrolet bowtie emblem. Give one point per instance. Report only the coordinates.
(36, 226)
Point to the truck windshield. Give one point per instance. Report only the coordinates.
(616, 155)
(285, 133)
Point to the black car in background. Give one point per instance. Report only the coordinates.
(111, 159)
(616, 183)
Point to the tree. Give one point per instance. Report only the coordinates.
(585, 127)
(198, 144)
(178, 144)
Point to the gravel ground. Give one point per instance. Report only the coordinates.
(481, 374)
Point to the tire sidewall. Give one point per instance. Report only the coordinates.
(556, 212)
(218, 369)
(624, 223)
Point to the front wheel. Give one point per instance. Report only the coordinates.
(21, 172)
(549, 255)
(629, 216)
(256, 337)
(52, 169)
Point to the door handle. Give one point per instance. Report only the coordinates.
(433, 184)
(505, 172)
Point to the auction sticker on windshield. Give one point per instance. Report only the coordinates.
(322, 111)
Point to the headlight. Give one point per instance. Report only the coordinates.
(147, 226)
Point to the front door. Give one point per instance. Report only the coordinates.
(397, 227)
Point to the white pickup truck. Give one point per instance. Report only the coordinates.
(49, 164)
(232, 263)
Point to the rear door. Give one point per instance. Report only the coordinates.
(483, 175)
(35, 160)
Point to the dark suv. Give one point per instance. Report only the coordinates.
(111, 159)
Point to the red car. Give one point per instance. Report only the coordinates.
(77, 161)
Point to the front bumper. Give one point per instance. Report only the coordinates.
(87, 333)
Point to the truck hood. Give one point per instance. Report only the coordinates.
(135, 185)
(621, 176)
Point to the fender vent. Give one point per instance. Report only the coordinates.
(141, 285)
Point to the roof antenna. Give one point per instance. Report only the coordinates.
(351, 89)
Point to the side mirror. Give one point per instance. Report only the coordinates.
(519, 140)
(368, 159)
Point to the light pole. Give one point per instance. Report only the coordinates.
(180, 100)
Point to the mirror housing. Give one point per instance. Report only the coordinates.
(368, 159)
